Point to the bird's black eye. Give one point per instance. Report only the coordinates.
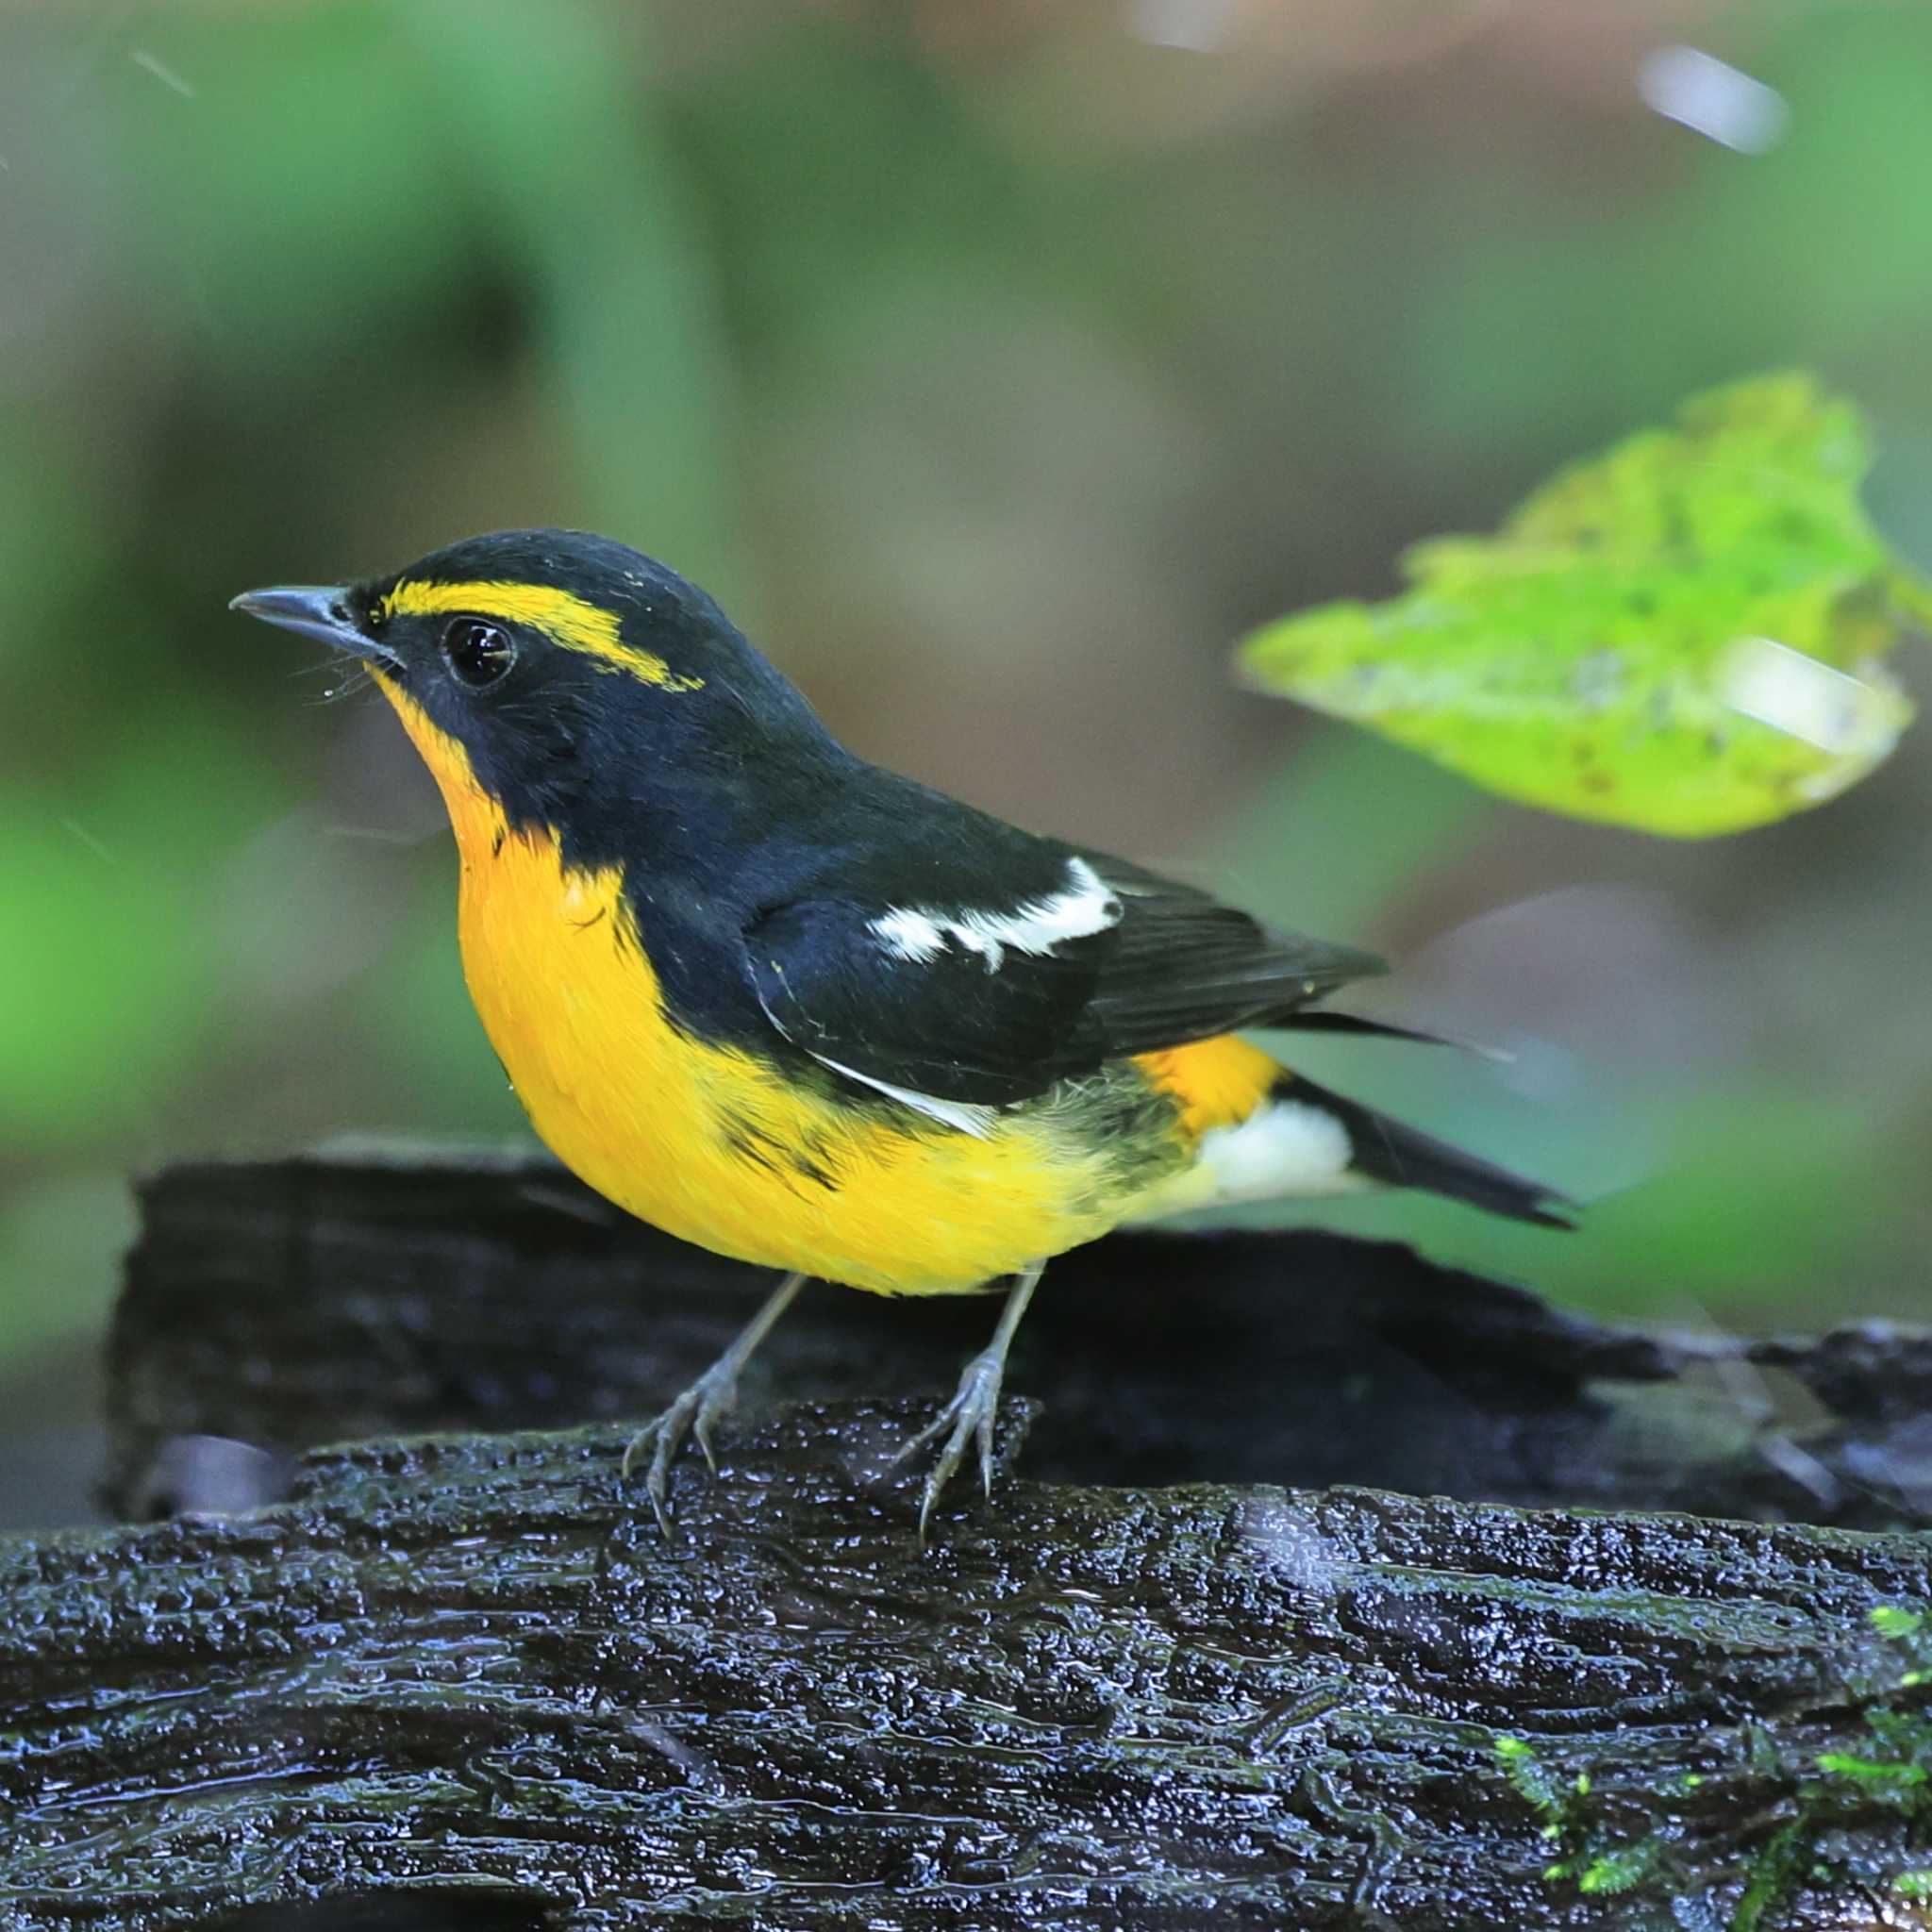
(478, 653)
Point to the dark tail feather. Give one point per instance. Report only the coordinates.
(1405, 1157)
(1322, 1022)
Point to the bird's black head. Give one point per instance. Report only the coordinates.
(580, 685)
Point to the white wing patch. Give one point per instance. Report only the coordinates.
(1086, 905)
(909, 935)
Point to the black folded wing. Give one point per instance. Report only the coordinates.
(981, 997)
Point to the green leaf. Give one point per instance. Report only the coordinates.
(1620, 1869)
(1895, 1621)
(1870, 1772)
(1685, 634)
(1769, 1879)
(1533, 1783)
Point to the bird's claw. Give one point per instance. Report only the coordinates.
(973, 1411)
(695, 1413)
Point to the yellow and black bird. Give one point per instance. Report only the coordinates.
(812, 1015)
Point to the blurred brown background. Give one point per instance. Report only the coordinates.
(996, 364)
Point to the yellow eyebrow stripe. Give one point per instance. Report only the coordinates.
(566, 619)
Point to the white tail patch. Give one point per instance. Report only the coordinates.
(1283, 1147)
(1086, 905)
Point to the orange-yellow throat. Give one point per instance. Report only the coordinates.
(739, 1154)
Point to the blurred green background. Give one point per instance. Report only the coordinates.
(997, 365)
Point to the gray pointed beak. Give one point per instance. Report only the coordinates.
(316, 611)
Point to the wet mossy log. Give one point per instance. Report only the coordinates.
(462, 1681)
(471, 1662)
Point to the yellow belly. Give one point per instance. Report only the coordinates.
(718, 1146)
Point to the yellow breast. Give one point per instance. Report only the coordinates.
(718, 1146)
(713, 1143)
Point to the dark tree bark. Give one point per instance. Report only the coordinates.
(292, 1303)
(471, 1660)
(463, 1682)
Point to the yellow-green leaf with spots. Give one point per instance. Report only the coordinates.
(1685, 634)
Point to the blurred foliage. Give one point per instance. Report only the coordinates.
(997, 366)
(1685, 634)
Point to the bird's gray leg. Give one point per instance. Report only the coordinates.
(976, 1403)
(699, 1408)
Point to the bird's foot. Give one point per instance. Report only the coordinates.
(695, 1413)
(973, 1411)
